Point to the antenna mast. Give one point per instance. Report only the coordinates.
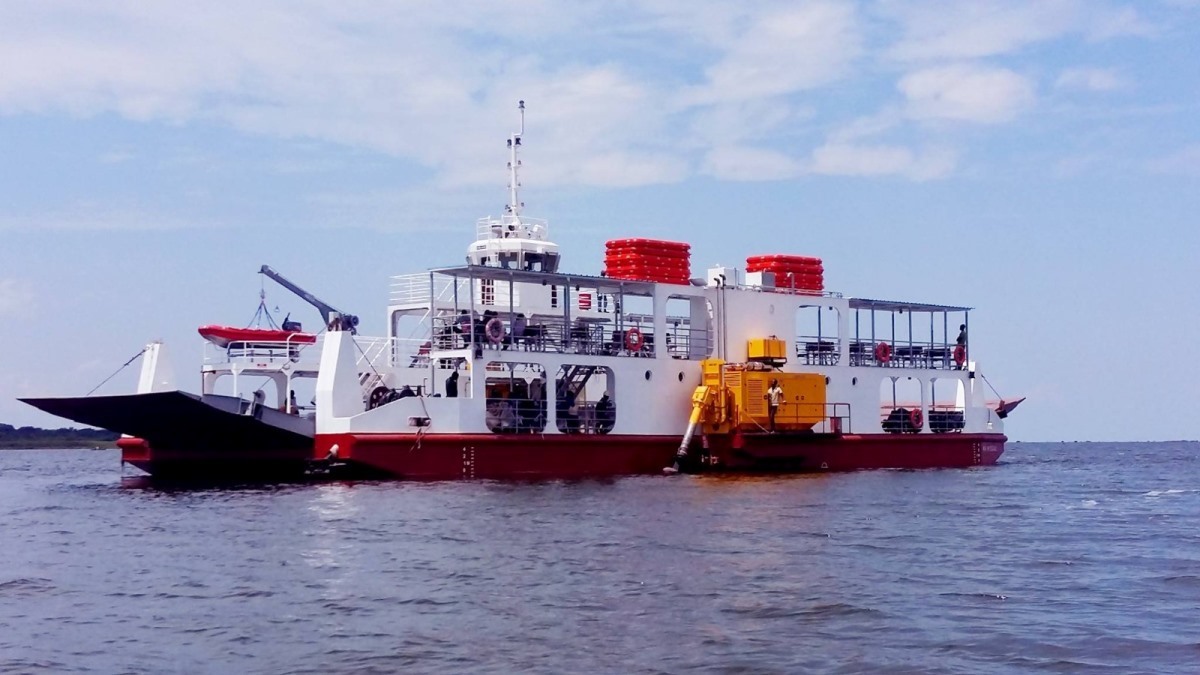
(514, 165)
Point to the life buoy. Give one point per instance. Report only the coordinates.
(633, 340)
(960, 355)
(494, 330)
(916, 419)
(883, 352)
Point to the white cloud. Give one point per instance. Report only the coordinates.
(1090, 79)
(841, 159)
(733, 123)
(793, 48)
(91, 215)
(969, 29)
(1185, 161)
(972, 28)
(1120, 22)
(16, 297)
(749, 164)
(415, 81)
(619, 94)
(966, 93)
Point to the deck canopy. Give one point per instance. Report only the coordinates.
(894, 306)
(599, 283)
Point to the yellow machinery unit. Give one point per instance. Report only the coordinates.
(771, 351)
(734, 396)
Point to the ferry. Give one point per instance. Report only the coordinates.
(508, 367)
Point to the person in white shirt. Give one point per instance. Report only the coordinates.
(774, 398)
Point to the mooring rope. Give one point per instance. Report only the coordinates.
(131, 360)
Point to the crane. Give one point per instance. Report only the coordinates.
(329, 314)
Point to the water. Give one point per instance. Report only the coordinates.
(1065, 558)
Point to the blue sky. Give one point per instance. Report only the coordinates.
(1039, 161)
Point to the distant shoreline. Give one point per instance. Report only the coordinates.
(33, 438)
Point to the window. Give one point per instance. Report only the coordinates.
(516, 398)
(487, 291)
(584, 399)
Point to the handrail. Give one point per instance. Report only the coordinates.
(511, 227)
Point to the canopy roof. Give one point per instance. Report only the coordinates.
(896, 306)
(558, 278)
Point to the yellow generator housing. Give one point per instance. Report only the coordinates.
(770, 350)
(803, 404)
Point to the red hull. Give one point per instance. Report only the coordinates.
(183, 464)
(456, 456)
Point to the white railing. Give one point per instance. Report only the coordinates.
(409, 289)
(511, 227)
(373, 352)
(264, 355)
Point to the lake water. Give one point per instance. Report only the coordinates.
(1070, 558)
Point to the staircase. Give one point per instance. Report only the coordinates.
(576, 378)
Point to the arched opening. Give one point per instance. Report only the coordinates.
(946, 408)
(900, 401)
(689, 328)
(516, 398)
(817, 337)
(585, 399)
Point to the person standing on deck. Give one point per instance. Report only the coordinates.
(960, 350)
(774, 398)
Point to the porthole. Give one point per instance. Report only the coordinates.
(647, 375)
(826, 380)
(853, 380)
(681, 377)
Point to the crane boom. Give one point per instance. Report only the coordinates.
(328, 313)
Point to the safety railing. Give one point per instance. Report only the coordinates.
(816, 350)
(515, 415)
(296, 352)
(929, 356)
(416, 288)
(511, 227)
(600, 337)
(373, 352)
(909, 419)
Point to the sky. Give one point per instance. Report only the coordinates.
(1036, 160)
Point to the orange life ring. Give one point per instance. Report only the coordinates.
(960, 355)
(883, 352)
(916, 419)
(633, 340)
(494, 330)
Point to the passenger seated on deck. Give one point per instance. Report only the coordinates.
(500, 416)
(614, 344)
(579, 334)
(567, 412)
(519, 326)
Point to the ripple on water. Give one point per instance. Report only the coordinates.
(1067, 558)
